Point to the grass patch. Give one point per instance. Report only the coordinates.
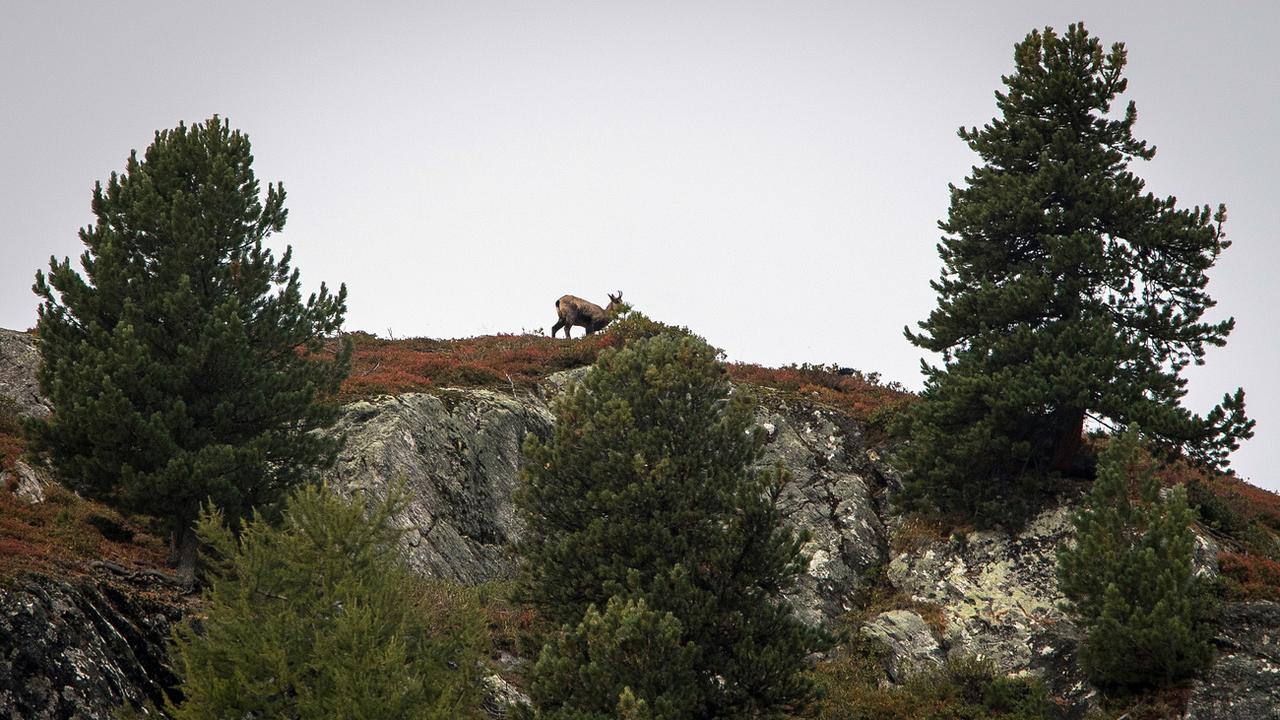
(1154, 704)
(389, 367)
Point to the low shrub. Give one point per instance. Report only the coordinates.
(1249, 577)
(12, 441)
(854, 688)
(864, 396)
(65, 533)
(381, 367)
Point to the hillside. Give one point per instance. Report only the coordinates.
(84, 607)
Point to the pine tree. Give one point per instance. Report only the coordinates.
(628, 660)
(1067, 291)
(184, 364)
(1129, 576)
(321, 618)
(645, 493)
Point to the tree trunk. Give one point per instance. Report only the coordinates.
(183, 553)
(1066, 448)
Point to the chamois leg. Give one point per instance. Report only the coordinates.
(556, 328)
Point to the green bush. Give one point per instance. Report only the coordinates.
(645, 492)
(1129, 577)
(320, 618)
(628, 650)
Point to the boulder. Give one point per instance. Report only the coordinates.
(998, 593)
(27, 480)
(909, 643)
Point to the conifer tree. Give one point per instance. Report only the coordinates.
(1129, 577)
(645, 493)
(184, 363)
(1067, 291)
(319, 617)
(628, 660)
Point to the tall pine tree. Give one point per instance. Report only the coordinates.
(645, 494)
(1067, 291)
(184, 364)
(1129, 576)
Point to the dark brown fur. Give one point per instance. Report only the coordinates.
(573, 310)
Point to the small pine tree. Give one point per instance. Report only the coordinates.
(1129, 577)
(320, 618)
(1067, 290)
(184, 365)
(645, 492)
(628, 661)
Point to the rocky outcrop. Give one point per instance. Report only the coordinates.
(830, 496)
(457, 454)
(19, 359)
(998, 594)
(81, 648)
(1244, 681)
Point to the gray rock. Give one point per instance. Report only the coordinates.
(19, 359)
(500, 698)
(29, 480)
(80, 649)
(458, 454)
(828, 497)
(999, 596)
(908, 640)
(1243, 683)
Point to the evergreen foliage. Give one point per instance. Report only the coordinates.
(1129, 576)
(320, 618)
(630, 659)
(645, 492)
(184, 363)
(1067, 291)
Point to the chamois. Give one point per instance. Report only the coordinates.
(573, 310)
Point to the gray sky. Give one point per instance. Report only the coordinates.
(769, 174)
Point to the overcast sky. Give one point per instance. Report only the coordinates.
(769, 174)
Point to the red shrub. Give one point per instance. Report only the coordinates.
(64, 534)
(1250, 577)
(860, 395)
(12, 445)
(395, 366)
(1249, 501)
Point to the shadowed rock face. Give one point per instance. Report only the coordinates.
(79, 649)
(1244, 681)
(831, 497)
